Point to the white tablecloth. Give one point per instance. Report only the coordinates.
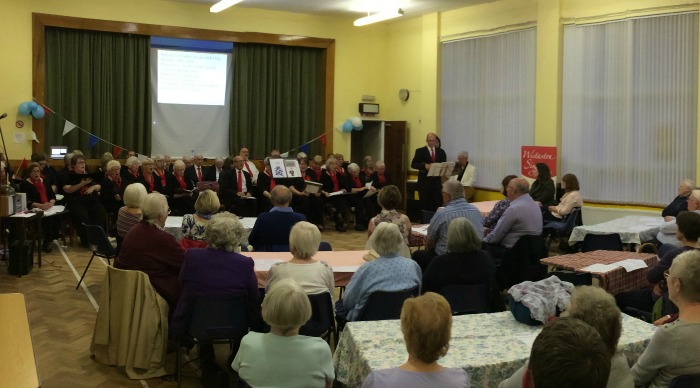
(632, 229)
(173, 225)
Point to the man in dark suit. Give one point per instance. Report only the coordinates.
(429, 188)
(214, 172)
(195, 173)
(235, 187)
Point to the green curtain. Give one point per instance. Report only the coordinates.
(99, 81)
(277, 101)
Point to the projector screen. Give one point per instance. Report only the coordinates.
(190, 100)
(193, 78)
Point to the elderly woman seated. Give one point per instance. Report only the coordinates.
(112, 188)
(465, 262)
(673, 350)
(148, 248)
(40, 195)
(597, 308)
(282, 355)
(332, 182)
(130, 214)
(667, 232)
(214, 271)
(194, 225)
(390, 272)
(679, 203)
(426, 324)
(364, 206)
(180, 191)
(130, 172)
(389, 198)
(148, 177)
(313, 276)
(571, 199)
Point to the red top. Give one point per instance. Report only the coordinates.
(39, 184)
(149, 180)
(181, 181)
(356, 179)
(334, 178)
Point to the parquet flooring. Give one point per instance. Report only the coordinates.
(62, 319)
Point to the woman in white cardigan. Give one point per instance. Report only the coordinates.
(571, 199)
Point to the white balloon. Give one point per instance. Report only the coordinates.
(356, 122)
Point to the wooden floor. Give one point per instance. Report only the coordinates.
(62, 319)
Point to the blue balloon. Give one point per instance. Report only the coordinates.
(33, 105)
(24, 108)
(38, 112)
(347, 126)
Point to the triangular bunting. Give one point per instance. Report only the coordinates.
(67, 127)
(305, 149)
(323, 139)
(117, 150)
(34, 137)
(93, 140)
(46, 108)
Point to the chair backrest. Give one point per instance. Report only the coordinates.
(522, 262)
(386, 304)
(426, 216)
(325, 246)
(573, 220)
(575, 278)
(220, 318)
(322, 320)
(605, 242)
(467, 298)
(99, 242)
(685, 381)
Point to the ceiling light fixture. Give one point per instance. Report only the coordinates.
(222, 5)
(378, 17)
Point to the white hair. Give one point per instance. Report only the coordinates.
(154, 207)
(387, 239)
(304, 240)
(224, 231)
(353, 167)
(131, 160)
(134, 195)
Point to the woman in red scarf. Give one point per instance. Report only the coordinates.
(112, 188)
(180, 191)
(265, 185)
(131, 172)
(148, 177)
(333, 182)
(40, 195)
(309, 204)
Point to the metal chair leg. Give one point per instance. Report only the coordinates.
(86, 269)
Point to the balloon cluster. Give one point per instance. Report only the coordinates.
(31, 107)
(353, 123)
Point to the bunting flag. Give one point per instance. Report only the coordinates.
(67, 127)
(117, 150)
(46, 108)
(93, 140)
(323, 139)
(305, 149)
(20, 169)
(34, 137)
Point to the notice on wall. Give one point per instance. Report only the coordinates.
(531, 155)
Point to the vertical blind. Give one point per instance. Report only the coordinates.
(488, 101)
(629, 114)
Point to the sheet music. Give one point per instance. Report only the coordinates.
(632, 264)
(54, 209)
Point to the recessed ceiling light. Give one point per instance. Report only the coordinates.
(378, 17)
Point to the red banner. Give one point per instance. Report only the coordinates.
(531, 155)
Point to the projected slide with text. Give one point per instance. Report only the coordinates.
(191, 78)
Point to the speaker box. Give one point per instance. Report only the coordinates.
(21, 260)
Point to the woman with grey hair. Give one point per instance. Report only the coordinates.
(673, 350)
(364, 206)
(598, 309)
(150, 249)
(390, 272)
(282, 355)
(130, 214)
(148, 177)
(464, 263)
(131, 171)
(679, 203)
(112, 187)
(215, 271)
(313, 276)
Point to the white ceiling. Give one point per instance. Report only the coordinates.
(359, 8)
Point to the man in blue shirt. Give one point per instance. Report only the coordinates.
(271, 230)
(455, 206)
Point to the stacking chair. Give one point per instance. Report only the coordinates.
(467, 298)
(217, 320)
(100, 246)
(325, 246)
(575, 278)
(386, 304)
(685, 381)
(606, 242)
(563, 228)
(426, 216)
(522, 262)
(322, 322)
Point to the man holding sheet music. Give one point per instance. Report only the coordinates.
(429, 187)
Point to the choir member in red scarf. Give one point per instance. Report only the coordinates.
(333, 182)
(161, 173)
(40, 195)
(181, 195)
(315, 167)
(341, 164)
(364, 207)
(112, 188)
(309, 204)
(148, 177)
(367, 167)
(131, 171)
(265, 185)
(82, 198)
(380, 177)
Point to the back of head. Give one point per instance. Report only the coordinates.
(521, 186)
(462, 237)
(426, 323)
(543, 172)
(353, 167)
(154, 206)
(389, 197)
(686, 267)
(598, 308)
(507, 180)
(286, 306)
(207, 202)
(454, 188)
(134, 195)
(569, 353)
(281, 195)
(387, 239)
(304, 239)
(224, 231)
(570, 182)
(689, 225)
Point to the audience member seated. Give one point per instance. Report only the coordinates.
(571, 199)
(380, 176)
(492, 219)
(235, 188)
(148, 177)
(215, 271)
(667, 232)
(112, 188)
(265, 185)
(597, 308)
(248, 164)
(426, 324)
(131, 171)
(364, 207)
(673, 350)
(367, 168)
(130, 214)
(333, 182)
(282, 355)
(542, 190)
(313, 276)
(568, 353)
(466, 174)
(688, 233)
(389, 198)
(271, 229)
(83, 198)
(455, 206)
(194, 225)
(390, 272)
(523, 217)
(679, 203)
(181, 194)
(464, 263)
(40, 195)
(309, 204)
(148, 248)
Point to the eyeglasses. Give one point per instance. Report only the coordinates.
(169, 211)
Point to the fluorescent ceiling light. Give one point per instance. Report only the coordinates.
(222, 5)
(378, 17)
